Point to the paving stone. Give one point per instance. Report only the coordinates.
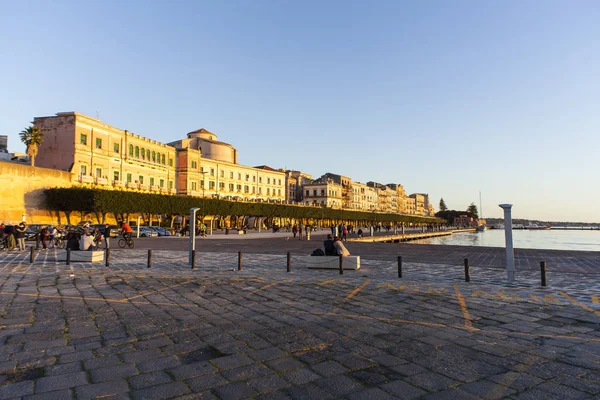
(94, 363)
(230, 362)
(430, 381)
(164, 391)
(268, 383)
(487, 390)
(115, 372)
(246, 372)
(65, 394)
(62, 369)
(389, 360)
(563, 391)
(516, 380)
(308, 391)
(205, 382)
(284, 364)
(151, 379)
(192, 370)
(300, 376)
(371, 394)
(267, 354)
(157, 364)
(403, 390)
(234, 391)
(339, 385)
(77, 356)
(329, 368)
(16, 390)
(153, 343)
(102, 390)
(45, 344)
(137, 356)
(66, 381)
(451, 394)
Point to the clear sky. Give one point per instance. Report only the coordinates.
(445, 97)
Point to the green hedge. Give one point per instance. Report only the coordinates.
(112, 201)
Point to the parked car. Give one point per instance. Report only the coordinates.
(146, 231)
(161, 231)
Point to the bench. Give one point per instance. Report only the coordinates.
(81, 256)
(328, 262)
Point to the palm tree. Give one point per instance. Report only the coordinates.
(32, 137)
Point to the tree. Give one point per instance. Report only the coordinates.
(472, 211)
(443, 205)
(32, 137)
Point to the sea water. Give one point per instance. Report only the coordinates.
(571, 239)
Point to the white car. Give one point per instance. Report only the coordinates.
(146, 232)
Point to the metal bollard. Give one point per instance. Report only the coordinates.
(68, 256)
(239, 260)
(289, 262)
(399, 266)
(149, 258)
(107, 256)
(341, 265)
(193, 259)
(543, 270)
(31, 255)
(467, 272)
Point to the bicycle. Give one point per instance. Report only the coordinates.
(59, 242)
(126, 242)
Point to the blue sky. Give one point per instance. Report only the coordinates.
(445, 97)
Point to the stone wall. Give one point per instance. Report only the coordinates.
(22, 188)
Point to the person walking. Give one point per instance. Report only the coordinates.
(295, 230)
(106, 236)
(44, 233)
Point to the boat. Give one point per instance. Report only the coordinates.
(497, 226)
(533, 227)
(480, 228)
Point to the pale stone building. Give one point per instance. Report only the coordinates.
(325, 193)
(294, 182)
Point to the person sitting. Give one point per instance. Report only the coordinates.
(87, 242)
(340, 248)
(72, 241)
(329, 248)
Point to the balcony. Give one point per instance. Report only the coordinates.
(118, 183)
(142, 186)
(131, 185)
(154, 188)
(86, 179)
(101, 181)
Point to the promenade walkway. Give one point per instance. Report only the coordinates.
(125, 331)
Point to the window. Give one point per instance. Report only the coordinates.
(83, 170)
(231, 175)
(148, 154)
(239, 177)
(154, 156)
(170, 184)
(137, 152)
(231, 187)
(254, 179)
(194, 164)
(163, 159)
(194, 186)
(211, 184)
(151, 181)
(202, 183)
(128, 178)
(170, 162)
(222, 174)
(143, 154)
(253, 189)
(83, 139)
(99, 172)
(162, 183)
(260, 179)
(212, 172)
(98, 143)
(280, 181)
(247, 177)
(315, 192)
(239, 188)
(141, 179)
(221, 185)
(202, 170)
(116, 147)
(246, 189)
(278, 192)
(308, 193)
(131, 150)
(268, 191)
(268, 181)
(116, 176)
(259, 190)
(322, 192)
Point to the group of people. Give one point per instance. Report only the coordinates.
(335, 247)
(14, 236)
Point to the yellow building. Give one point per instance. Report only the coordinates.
(100, 155)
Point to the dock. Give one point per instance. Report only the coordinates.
(407, 236)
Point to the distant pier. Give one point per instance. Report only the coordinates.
(407, 237)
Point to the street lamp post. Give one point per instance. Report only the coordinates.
(203, 194)
(192, 232)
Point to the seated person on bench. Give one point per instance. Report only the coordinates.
(340, 248)
(329, 248)
(87, 242)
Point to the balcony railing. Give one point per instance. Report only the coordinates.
(86, 179)
(154, 188)
(101, 181)
(118, 183)
(131, 185)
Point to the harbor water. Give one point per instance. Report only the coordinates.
(571, 239)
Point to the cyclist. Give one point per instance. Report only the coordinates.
(126, 230)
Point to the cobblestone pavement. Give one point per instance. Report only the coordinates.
(86, 331)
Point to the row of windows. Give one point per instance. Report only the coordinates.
(211, 172)
(331, 193)
(233, 188)
(144, 154)
(129, 177)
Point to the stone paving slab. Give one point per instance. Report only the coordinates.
(127, 331)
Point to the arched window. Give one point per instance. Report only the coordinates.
(143, 154)
(131, 150)
(163, 159)
(148, 155)
(137, 152)
(153, 156)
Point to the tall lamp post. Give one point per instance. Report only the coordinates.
(203, 189)
(192, 232)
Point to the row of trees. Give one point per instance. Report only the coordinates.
(122, 204)
(449, 215)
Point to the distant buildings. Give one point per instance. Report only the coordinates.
(100, 155)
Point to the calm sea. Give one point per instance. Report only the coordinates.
(525, 239)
